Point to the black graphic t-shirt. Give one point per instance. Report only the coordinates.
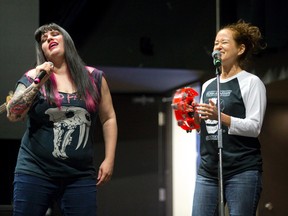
(244, 98)
(58, 143)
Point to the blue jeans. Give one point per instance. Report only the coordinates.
(241, 193)
(33, 196)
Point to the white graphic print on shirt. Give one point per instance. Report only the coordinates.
(66, 121)
(212, 125)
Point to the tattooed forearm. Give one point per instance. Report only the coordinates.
(21, 101)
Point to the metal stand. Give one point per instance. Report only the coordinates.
(220, 146)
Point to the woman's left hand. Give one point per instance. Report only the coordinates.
(105, 172)
(207, 111)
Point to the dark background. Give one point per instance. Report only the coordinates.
(166, 45)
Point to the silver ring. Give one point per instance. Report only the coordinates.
(51, 64)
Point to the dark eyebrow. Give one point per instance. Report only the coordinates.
(46, 32)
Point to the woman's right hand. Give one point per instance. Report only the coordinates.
(43, 72)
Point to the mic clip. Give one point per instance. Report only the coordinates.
(216, 55)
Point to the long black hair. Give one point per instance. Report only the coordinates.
(82, 79)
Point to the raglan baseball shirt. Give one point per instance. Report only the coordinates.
(243, 97)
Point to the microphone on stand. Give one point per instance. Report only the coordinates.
(41, 75)
(216, 55)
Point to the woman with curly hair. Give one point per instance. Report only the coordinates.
(243, 105)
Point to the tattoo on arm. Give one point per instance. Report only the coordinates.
(22, 100)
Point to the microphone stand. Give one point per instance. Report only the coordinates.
(220, 146)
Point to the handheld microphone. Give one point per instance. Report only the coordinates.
(216, 55)
(41, 75)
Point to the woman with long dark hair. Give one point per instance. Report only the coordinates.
(62, 99)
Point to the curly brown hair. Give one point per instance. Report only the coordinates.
(249, 35)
